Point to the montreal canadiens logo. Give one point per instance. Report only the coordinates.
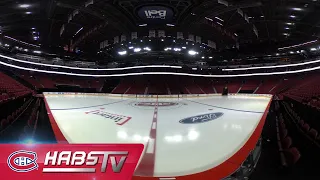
(22, 161)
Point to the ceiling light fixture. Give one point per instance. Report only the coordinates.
(24, 5)
(220, 24)
(297, 9)
(208, 18)
(219, 19)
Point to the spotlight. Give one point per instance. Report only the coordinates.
(37, 52)
(297, 9)
(24, 5)
(121, 53)
(147, 49)
(192, 52)
(136, 49)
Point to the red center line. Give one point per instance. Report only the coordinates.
(147, 163)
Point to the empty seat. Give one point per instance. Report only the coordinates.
(301, 123)
(313, 133)
(292, 156)
(282, 125)
(306, 127)
(287, 142)
(283, 133)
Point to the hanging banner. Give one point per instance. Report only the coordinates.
(179, 35)
(116, 40)
(198, 39)
(134, 35)
(191, 37)
(123, 38)
(212, 44)
(105, 44)
(152, 33)
(161, 33)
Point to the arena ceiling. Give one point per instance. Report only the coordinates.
(278, 22)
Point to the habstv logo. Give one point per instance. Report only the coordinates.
(22, 161)
(201, 118)
(69, 161)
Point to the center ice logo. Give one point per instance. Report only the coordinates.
(118, 119)
(201, 118)
(22, 161)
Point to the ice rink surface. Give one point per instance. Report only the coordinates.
(181, 135)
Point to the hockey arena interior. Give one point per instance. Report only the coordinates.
(214, 89)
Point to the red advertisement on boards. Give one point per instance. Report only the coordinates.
(69, 161)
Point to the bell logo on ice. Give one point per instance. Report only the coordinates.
(117, 118)
(22, 161)
(201, 118)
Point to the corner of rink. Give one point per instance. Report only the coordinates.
(221, 171)
(55, 128)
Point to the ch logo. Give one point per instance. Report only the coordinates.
(22, 161)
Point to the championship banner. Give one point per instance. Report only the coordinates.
(116, 40)
(105, 43)
(198, 39)
(69, 161)
(212, 44)
(179, 35)
(152, 33)
(123, 38)
(161, 33)
(191, 37)
(134, 35)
